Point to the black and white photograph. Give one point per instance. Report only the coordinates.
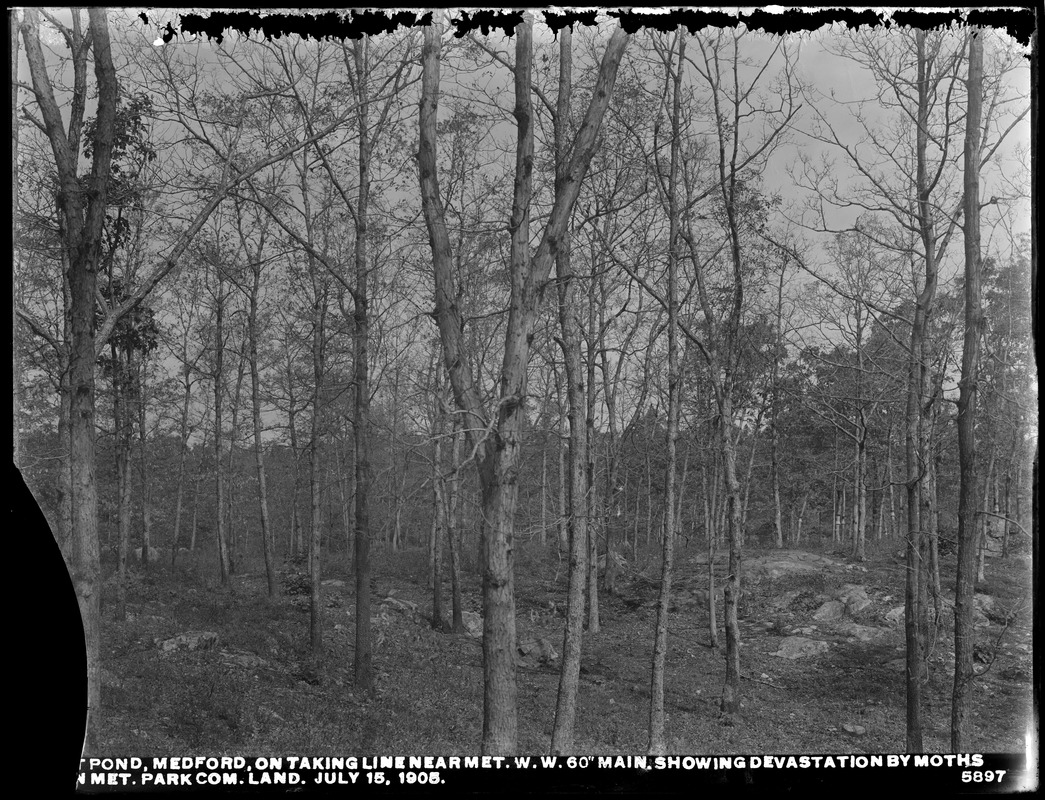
(573, 399)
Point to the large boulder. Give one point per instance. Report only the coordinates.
(190, 640)
(535, 650)
(830, 611)
(788, 562)
(795, 647)
(473, 624)
(855, 598)
(863, 633)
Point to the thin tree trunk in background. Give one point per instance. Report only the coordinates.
(708, 530)
(439, 516)
(563, 528)
(649, 499)
(272, 582)
(143, 466)
(453, 521)
(122, 429)
(801, 517)
(295, 515)
(1008, 512)
(219, 487)
(315, 628)
(590, 494)
(775, 400)
(933, 496)
(195, 511)
(749, 472)
(233, 436)
(183, 450)
(544, 494)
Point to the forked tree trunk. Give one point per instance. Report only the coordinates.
(498, 455)
(82, 215)
(577, 520)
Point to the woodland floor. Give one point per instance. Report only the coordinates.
(257, 690)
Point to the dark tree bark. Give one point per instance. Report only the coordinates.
(82, 206)
(968, 501)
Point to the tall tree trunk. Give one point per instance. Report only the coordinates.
(968, 530)
(82, 215)
(363, 668)
(657, 742)
(498, 453)
(918, 401)
(569, 675)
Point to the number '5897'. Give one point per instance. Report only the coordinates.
(985, 776)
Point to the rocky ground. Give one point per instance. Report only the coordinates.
(199, 669)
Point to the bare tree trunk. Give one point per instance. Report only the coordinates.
(544, 494)
(708, 529)
(657, 743)
(183, 450)
(453, 519)
(315, 627)
(259, 456)
(775, 427)
(82, 215)
(497, 452)
(233, 436)
(122, 428)
(439, 510)
(363, 666)
(143, 465)
(578, 520)
(591, 495)
(224, 565)
(968, 530)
